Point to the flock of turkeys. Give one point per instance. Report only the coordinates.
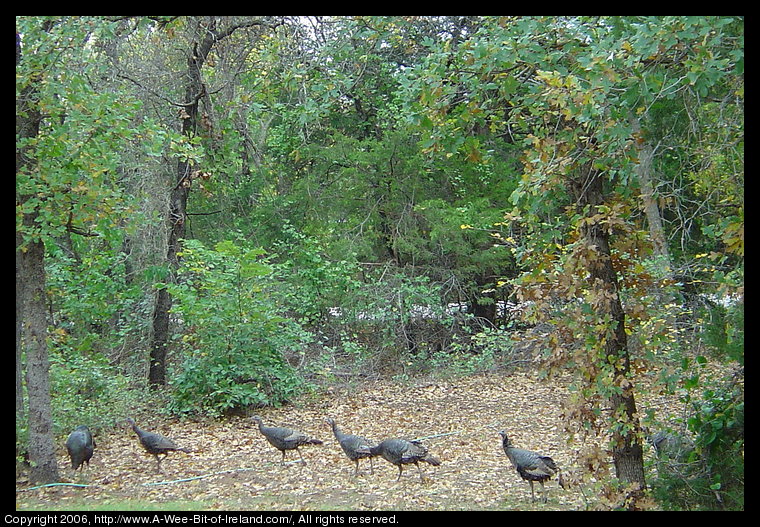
(529, 465)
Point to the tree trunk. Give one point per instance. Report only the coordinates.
(44, 467)
(19, 317)
(651, 209)
(209, 34)
(177, 215)
(485, 310)
(627, 451)
(30, 283)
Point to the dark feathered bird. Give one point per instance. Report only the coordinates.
(285, 438)
(401, 452)
(80, 446)
(154, 443)
(670, 444)
(673, 452)
(355, 447)
(531, 466)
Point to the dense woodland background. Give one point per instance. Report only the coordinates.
(220, 214)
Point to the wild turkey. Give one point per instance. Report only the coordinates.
(669, 444)
(674, 454)
(401, 452)
(354, 446)
(80, 446)
(285, 438)
(154, 443)
(531, 466)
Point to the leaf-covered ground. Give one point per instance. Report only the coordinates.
(232, 467)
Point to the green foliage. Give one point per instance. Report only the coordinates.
(709, 474)
(487, 350)
(718, 423)
(101, 311)
(387, 323)
(315, 282)
(85, 389)
(401, 318)
(235, 340)
(724, 331)
(81, 139)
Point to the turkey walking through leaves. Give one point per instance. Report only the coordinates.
(285, 438)
(531, 466)
(154, 443)
(401, 452)
(355, 447)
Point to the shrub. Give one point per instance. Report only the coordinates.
(86, 390)
(709, 474)
(234, 340)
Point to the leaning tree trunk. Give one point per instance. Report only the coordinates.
(627, 452)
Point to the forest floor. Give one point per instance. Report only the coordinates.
(232, 467)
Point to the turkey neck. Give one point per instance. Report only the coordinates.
(135, 429)
(335, 429)
(259, 422)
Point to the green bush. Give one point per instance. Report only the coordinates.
(313, 281)
(709, 475)
(724, 331)
(86, 390)
(718, 422)
(234, 340)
